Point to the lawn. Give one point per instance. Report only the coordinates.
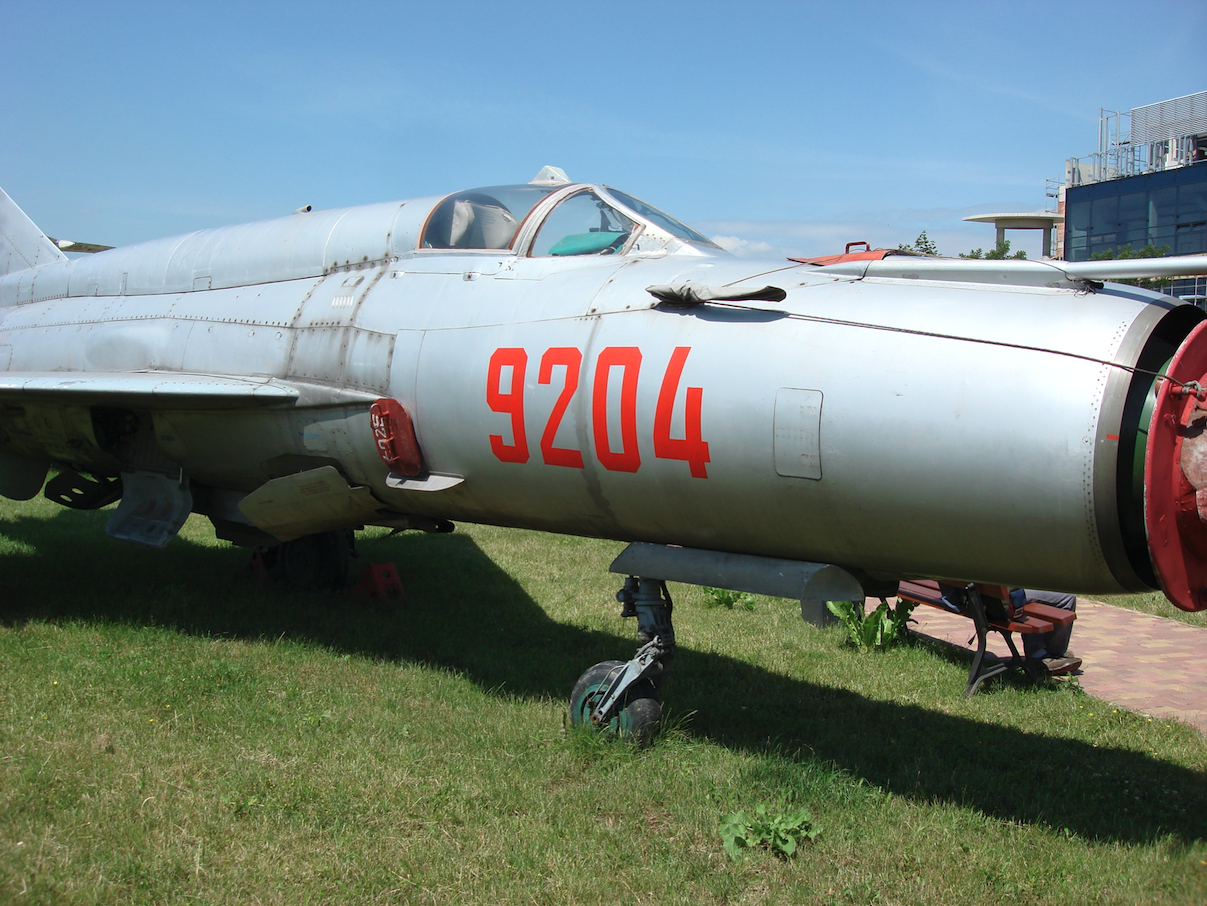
(1158, 605)
(173, 731)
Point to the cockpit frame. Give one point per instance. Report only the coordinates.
(477, 205)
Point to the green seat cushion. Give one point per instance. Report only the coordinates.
(587, 243)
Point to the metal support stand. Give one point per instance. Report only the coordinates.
(979, 672)
(816, 613)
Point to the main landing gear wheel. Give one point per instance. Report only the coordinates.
(638, 714)
(312, 561)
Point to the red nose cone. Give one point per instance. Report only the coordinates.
(1175, 476)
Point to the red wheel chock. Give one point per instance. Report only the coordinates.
(256, 565)
(380, 581)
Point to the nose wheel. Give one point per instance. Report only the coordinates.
(637, 714)
(619, 697)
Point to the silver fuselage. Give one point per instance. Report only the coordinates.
(903, 425)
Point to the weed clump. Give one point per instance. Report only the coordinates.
(779, 834)
(730, 600)
(883, 628)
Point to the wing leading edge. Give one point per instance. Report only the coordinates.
(168, 390)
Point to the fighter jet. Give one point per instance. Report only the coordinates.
(566, 357)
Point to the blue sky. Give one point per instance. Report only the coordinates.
(783, 126)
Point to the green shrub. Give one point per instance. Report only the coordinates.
(883, 628)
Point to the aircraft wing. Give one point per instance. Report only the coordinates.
(1011, 272)
(1129, 268)
(166, 390)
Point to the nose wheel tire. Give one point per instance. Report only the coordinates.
(638, 716)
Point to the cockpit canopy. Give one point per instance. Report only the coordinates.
(543, 220)
(481, 218)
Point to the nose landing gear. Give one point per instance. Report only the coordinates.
(622, 698)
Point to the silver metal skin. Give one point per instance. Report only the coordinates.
(895, 418)
(760, 575)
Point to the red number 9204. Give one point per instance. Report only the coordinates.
(505, 395)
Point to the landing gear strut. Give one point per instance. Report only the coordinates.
(312, 561)
(622, 698)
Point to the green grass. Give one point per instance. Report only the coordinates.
(1158, 605)
(171, 731)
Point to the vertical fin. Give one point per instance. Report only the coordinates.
(22, 244)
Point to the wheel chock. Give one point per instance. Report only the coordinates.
(256, 565)
(380, 581)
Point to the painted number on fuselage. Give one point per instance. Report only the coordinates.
(510, 402)
(505, 395)
(571, 359)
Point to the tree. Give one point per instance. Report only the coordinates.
(923, 245)
(1148, 251)
(997, 253)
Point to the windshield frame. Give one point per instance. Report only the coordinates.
(553, 203)
(695, 237)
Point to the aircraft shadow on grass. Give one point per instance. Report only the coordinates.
(466, 614)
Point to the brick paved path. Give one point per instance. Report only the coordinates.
(1130, 659)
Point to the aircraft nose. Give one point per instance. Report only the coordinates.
(1175, 476)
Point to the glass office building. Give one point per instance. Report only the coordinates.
(1166, 208)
